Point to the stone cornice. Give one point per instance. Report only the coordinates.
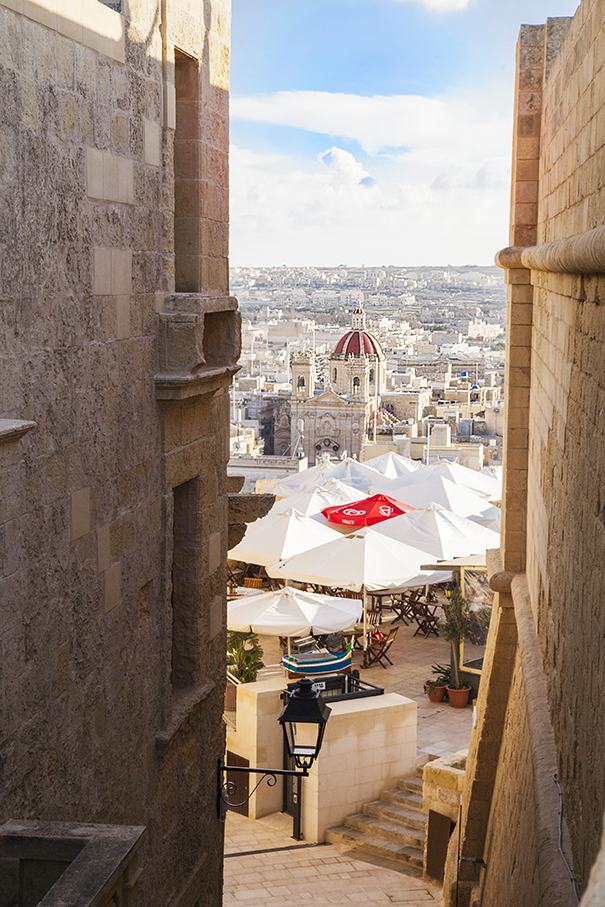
(580, 254)
(13, 429)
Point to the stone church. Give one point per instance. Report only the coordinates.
(337, 419)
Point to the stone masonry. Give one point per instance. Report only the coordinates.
(539, 717)
(118, 342)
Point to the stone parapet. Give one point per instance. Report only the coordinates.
(580, 254)
(70, 865)
(443, 780)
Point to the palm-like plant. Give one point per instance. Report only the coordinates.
(244, 654)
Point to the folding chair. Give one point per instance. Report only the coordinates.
(253, 582)
(377, 651)
(402, 603)
(426, 618)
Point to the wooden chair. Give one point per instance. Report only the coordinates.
(402, 604)
(253, 582)
(426, 618)
(377, 651)
(357, 634)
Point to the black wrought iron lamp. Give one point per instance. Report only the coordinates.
(303, 720)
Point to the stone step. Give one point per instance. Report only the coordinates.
(394, 812)
(405, 798)
(405, 835)
(412, 782)
(374, 844)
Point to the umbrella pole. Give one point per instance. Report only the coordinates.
(365, 618)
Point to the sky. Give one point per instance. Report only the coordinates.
(373, 132)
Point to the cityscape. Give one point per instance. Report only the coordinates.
(442, 333)
(302, 563)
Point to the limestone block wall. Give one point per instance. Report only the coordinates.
(368, 745)
(113, 508)
(553, 525)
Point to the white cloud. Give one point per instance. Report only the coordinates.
(437, 126)
(434, 187)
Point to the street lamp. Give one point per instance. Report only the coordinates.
(303, 720)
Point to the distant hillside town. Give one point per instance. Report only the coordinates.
(358, 361)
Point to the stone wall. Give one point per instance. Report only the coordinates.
(553, 541)
(127, 384)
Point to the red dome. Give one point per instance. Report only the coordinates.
(358, 343)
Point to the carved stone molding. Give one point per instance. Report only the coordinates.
(198, 343)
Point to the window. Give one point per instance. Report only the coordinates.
(371, 376)
(356, 385)
(187, 184)
(335, 375)
(186, 585)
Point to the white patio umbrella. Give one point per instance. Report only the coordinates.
(354, 473)
(440, 532)
(441, 491)
(280, 535)
(311, 501)
(392, 465)
(364, 561)
(300, 480)
(291, 612)
(489, 487)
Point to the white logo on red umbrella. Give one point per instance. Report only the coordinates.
(351, 512)
(385, 510)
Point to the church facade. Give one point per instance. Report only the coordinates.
(337, 419)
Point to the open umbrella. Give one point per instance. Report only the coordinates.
(300, 480)
(291, 612)
(366, 512)
(445, 493)
(280, 535)
(315, 500)
(364, 561)
(392, 465)
(440, 532)
(354, 473)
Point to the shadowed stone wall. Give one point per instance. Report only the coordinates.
(127, 384)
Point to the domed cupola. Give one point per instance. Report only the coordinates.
(359, 341)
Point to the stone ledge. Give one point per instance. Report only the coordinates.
(499, 579)
(13, 429)
(583, 253)
(100, 857)
(198, 304)
(205, 381)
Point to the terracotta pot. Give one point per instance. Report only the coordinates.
(458, 698)
(437, 694)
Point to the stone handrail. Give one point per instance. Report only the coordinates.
(580, 254)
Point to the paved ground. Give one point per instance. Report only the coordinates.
(265, 868)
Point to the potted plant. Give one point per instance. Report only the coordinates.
(244, 654)
(454, 628)
(435, 688)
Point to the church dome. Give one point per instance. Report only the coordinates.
(359, 343)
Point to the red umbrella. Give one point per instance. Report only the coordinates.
(371, 510)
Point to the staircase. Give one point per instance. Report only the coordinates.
(393, 827)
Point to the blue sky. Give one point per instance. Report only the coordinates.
(373, 131)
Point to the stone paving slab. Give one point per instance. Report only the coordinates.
(324, 874)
